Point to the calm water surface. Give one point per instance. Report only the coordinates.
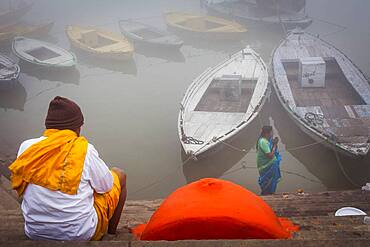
(131, 109)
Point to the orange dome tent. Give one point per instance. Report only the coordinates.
(214, 209)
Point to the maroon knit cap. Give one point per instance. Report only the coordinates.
(64, 114)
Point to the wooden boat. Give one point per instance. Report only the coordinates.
(203, 26)
(324, 93)
(222, 101)
(7, 33)
(13, 15)
(252, 14)
(100, 43)
(9, 72)
(142, 34)
(42, 53)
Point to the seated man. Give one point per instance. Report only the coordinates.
(68, 191)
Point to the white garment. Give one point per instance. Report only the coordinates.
(54, 215)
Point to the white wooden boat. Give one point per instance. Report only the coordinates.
(222, 101)
(42, 53)
(9, 72)
(143, 34)
(325, 94)
(254, 14)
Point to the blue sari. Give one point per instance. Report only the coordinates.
(270, 177)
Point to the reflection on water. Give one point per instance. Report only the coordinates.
(131, 108)
(14, 98)
(125, 67)
(217, 164)
(70, 76)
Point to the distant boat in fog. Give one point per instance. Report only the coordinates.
(100, 43)
(22, 29)
(146, 35)
(15, 13)
(221, 102)
(253, 14)
(9, 72)
(324, 93)
(43, 54)
(203, 26)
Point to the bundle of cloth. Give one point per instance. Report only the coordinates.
(214, 209)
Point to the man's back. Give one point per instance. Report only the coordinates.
(56, 215)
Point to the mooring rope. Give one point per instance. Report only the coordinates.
(282, 151)
(344, 171)
(244, 166)
(160, 179)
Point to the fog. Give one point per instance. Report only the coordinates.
(131, 108)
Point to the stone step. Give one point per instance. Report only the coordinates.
(355, 242)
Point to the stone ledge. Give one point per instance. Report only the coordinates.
(356, 242)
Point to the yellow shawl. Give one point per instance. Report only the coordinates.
(55, 163)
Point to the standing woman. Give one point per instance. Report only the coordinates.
(268, 161)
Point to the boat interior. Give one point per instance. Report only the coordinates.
(42, 53)
(337, 102)
(147, 33)
(337, 92)
(227, 94)
(95, 39)
(200, 24)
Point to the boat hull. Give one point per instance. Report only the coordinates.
(203, 27)
(10, 73)
(258, 23)
(69, 61)
(218, 147)
(146, 44)
(114, 55)
(204, 131)
(206, 36)
(319, 136)
(315, 136)
(170, 43)
(28, 31)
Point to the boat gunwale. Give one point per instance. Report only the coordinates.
(203, 79)
(14, 75)
(176, 42)
(237, 27)
(70, 63)
(301, 123)
(128, 53)
(303, 20)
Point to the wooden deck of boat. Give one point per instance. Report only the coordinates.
(222, 99)
(313, 212)
(336, 93)
(344, 102)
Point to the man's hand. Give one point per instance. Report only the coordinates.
(121, 175)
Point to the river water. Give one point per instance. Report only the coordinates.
(131, 109)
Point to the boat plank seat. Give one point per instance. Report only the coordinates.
(340, 96)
